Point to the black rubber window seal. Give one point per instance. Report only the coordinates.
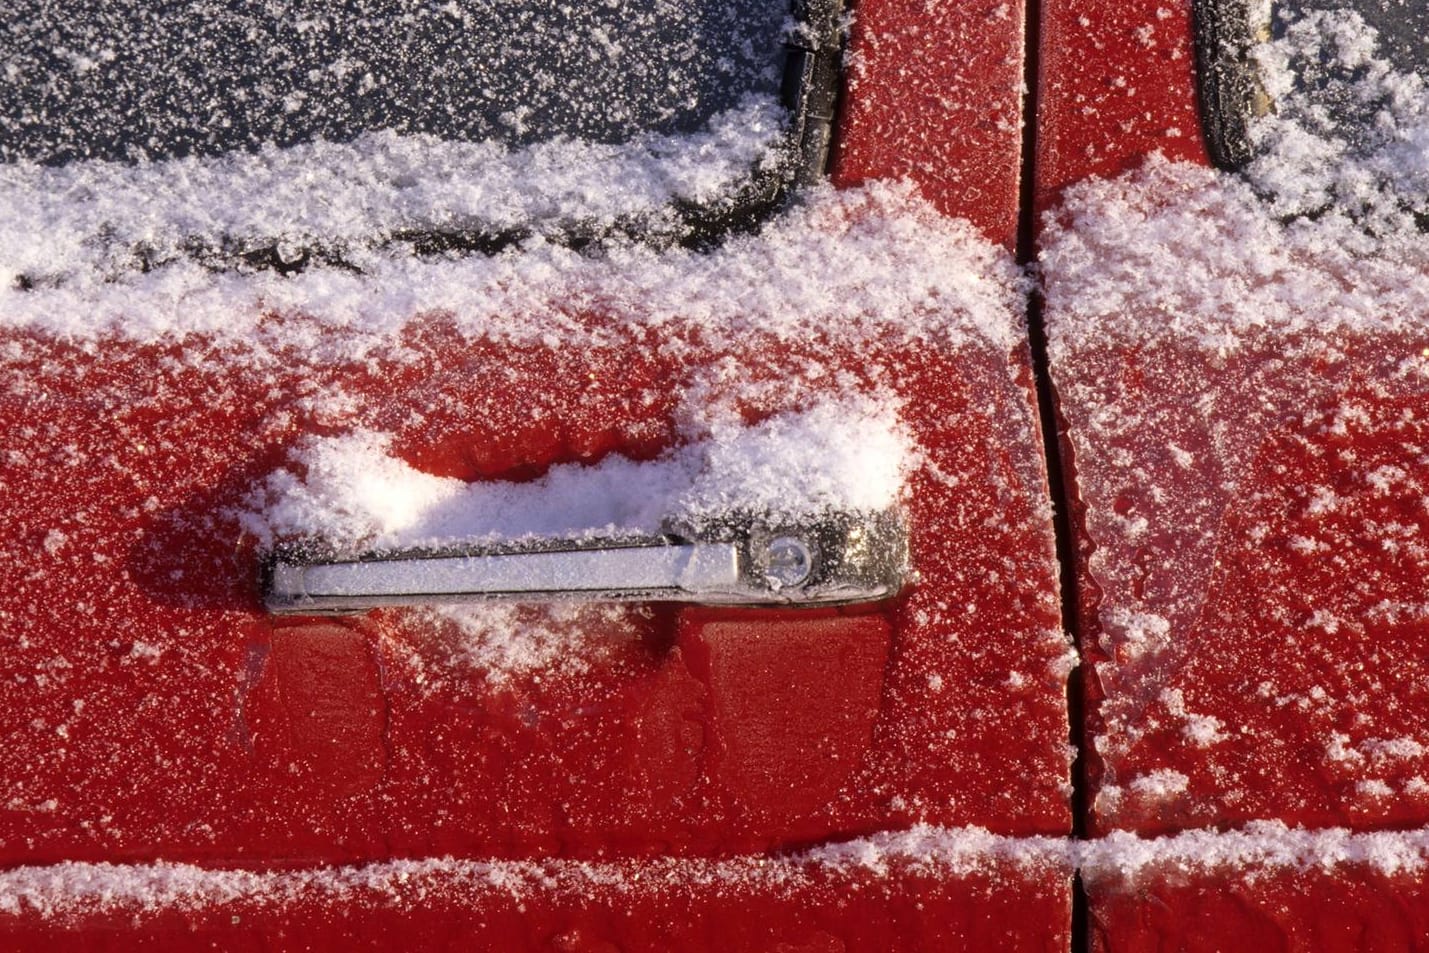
(1225, 78)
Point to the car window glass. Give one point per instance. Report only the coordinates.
(1402, 26)
(1323, 105)
(287, 134)
(134, 80)
(1348, 113)
(1357, 43)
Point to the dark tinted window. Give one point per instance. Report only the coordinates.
(134, 79)
(1401, 40)
(1402, 25)
(1329, 44)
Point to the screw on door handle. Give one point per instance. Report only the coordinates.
(741, 559)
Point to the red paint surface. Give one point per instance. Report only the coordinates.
(1116, 83)
(315, 715)
(1298, 624)
(152, 711)
(934, 95)
(786, 909)
(793, 704)
(1351, 909)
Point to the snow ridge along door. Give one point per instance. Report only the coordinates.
(1240, 362)
(174, 418)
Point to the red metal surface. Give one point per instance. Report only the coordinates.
(1116, 83)
(742, 905)
(149, 710)
(934, 95)
(1350, 909)
(1303, 642)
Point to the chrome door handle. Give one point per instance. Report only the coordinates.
(836, 557)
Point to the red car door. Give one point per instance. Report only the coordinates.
(1240, 363)
(182, 767)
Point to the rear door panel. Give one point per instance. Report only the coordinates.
(1242, 406)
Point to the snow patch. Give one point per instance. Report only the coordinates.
(1200, 730)
(1320, 232)
(71, 223)
(877, 261)
(1138, 632)
(350, 490)
(69, 890)
(1160, 784)
(1262, 848)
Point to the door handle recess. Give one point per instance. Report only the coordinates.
(835, 557)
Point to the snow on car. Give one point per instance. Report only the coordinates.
(252, 298)
(389, 300)
(1241, 363)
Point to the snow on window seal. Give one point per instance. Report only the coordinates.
(1321, 106)
(682, 206)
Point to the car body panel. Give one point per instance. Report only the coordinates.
(154, 712)
(1240, 460)
(1272, 887)
(878, 899)
(1291, 624)
(207, 729)
(1116, 82)
(933, 97)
